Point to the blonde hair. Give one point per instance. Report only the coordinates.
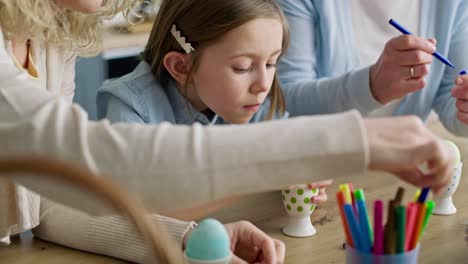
(203, 22)
(44, 20)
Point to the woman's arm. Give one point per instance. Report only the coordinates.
(171, 167)
(107, 235)
(444, 102)
(305, 92)
(168, 166)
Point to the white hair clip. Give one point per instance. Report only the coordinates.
(181, 40)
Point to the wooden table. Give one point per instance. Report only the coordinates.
(443, 241)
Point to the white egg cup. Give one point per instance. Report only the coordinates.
(444, 202)
(297, 203)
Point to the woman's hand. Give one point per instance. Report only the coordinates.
(251, 245)
(401, 144)
(401, 67)
(460, 92)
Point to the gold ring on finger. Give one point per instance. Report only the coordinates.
(411, 71)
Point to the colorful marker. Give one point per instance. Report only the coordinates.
(406, 32)
(341, 203)
(411, 214)
(400, 213)
(344, 188)
(418, 225)
(353, 226)
(378, 228)
(353, 199)
(366, 237)
(422, 198)
(429, 207)
(399, 196)
(389, 235)
(416, 195)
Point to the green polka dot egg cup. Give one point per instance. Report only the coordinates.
(299, 207)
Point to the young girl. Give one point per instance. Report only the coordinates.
(201, 65)
(201, 62)
(153, 161)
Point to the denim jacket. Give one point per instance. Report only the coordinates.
(139, 98)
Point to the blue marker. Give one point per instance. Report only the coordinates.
(406, 32)
(353, 226)
(423, 195)
(366, 237)
(364, 221)
(463, 72)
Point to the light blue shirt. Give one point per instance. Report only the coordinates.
(139, 98)
(320, 72)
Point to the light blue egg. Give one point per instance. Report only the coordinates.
(208, 241)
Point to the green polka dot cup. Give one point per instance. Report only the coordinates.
(298, 205)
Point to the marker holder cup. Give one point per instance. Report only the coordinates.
(354, 256)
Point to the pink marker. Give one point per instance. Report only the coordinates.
(378, 228)
(411, 212)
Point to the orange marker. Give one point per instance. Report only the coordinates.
(418, 225)
(341, 202)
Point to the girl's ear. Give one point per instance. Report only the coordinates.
(177, 64)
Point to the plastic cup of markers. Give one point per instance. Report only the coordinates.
(354, 256)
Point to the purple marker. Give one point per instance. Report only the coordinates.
(378, 228)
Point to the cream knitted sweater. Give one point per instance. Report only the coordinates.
(22, 210)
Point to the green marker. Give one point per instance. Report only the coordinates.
(429, 207)
(400, 213)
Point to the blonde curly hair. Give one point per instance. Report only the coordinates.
(44, 20)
